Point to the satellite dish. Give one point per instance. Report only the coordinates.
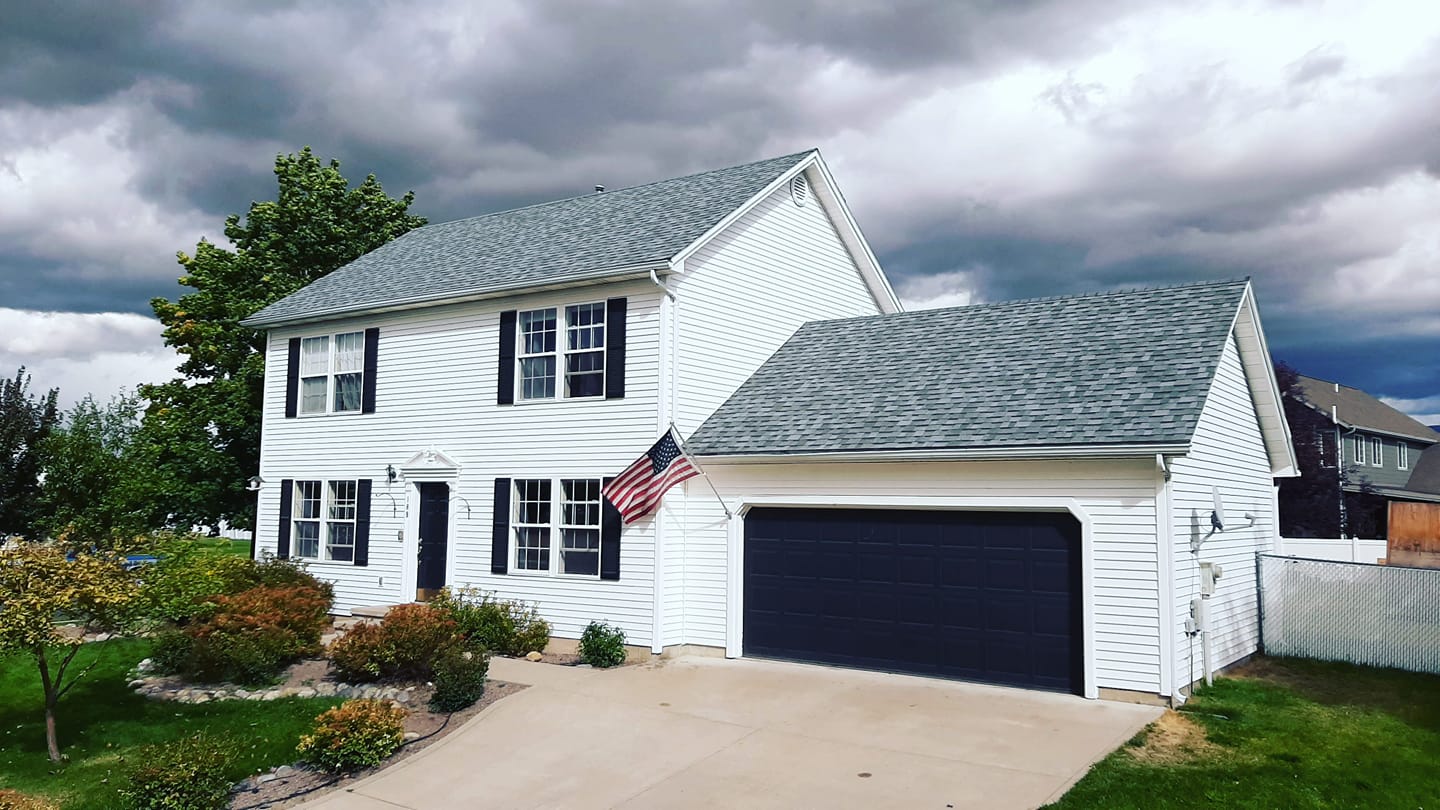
(1217, 516)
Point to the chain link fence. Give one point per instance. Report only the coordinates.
(1377, 615)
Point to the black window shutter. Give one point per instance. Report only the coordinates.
(610, 530)
(500, 528)
(505, 385)
(615, 348)
(282, 537)
(292, 380)
(372, 358)
(362, 521)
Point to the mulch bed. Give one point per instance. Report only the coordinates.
(304, 785)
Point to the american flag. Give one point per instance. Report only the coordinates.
(636, 492)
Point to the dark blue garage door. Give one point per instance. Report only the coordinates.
(984, 596)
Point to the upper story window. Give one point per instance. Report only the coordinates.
(332, 373)
(324, 520)
(1359, 448)
(561, 352)
(1377, 451)
(1402, 455)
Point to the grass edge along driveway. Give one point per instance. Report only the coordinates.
(1288, 733)
(103, 726)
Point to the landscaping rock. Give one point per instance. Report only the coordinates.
(533, 656)
(306, 692)
(412, 735)
(284, 771)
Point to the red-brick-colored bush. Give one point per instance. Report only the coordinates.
(404, 647)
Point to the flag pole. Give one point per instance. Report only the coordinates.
(681, 444)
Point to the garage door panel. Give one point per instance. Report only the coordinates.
(985, 596)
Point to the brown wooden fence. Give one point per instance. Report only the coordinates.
(1414, 532)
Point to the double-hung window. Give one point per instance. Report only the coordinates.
(1325, 447)
(555, 526)
(1402, 455)
(332, 371)
(324, 520)
(1377, 451)
(561, 352)
(1359, 445)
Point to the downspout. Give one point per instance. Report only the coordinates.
(657, 607)
(1165, 562)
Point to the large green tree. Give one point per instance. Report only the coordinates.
(25, 420)
(204, 426)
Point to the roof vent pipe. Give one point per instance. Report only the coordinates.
(599, 189)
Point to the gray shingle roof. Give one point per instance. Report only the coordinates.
(1355, 408)
(578, 238)
(1112, 368)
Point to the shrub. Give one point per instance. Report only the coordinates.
(188, 774)
(602, 645)
(169, 651)
(15, 800)
(252, 636)
(356, 734)
(405, 646)
(459, 680)
(501, 626)
(181, 586)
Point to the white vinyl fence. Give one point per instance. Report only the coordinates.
(1377, 615)
(1316, 548)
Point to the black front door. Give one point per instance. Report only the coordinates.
(434, 537)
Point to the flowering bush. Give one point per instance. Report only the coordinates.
(188, 774)
(498, 625)
(403, 647)
(356, 734)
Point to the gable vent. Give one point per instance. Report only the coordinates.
(799, 189)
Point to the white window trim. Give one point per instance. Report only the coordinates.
(324, 520)
(332, 342)
(556, 528)
(1327, 459)
(561, 353)
(1377, 451)
(1402, 455)
(1360, 447)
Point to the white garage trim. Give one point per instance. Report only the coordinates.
(734, 636)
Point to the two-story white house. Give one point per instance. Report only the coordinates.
(1016, 493)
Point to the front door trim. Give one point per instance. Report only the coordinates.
(734, 636)
(428, 466)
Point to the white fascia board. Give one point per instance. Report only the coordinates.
(627, 273)
(830, 198)
(953, 454)
(1264, 387)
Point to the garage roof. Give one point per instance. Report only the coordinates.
(1118, 368)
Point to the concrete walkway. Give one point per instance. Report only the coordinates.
(705, 732)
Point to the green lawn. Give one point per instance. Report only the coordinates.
(103, 725)
(1288, 733)
(221, 545)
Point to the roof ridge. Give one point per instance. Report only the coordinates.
(1044, 298)
(635, 187)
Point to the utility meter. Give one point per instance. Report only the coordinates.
(1209, 572)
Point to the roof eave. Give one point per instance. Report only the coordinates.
(626, 273)
(1026, 453)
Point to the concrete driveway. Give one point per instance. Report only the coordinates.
(707, 732)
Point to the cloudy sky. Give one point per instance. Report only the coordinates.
(990, 149)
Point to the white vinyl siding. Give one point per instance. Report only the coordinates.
(1227, 453)
(1119, 497)
(740, 298)
(589, 438)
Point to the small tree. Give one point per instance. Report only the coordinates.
(38, 585)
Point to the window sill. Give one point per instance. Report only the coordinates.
(555, 400)
(551, 575)
(328, 413)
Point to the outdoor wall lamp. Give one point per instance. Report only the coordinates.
(254, 483)
(390, 473)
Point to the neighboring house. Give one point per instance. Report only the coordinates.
(1016, 493)
(1375, 448)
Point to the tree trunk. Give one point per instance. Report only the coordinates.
(52, 697)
